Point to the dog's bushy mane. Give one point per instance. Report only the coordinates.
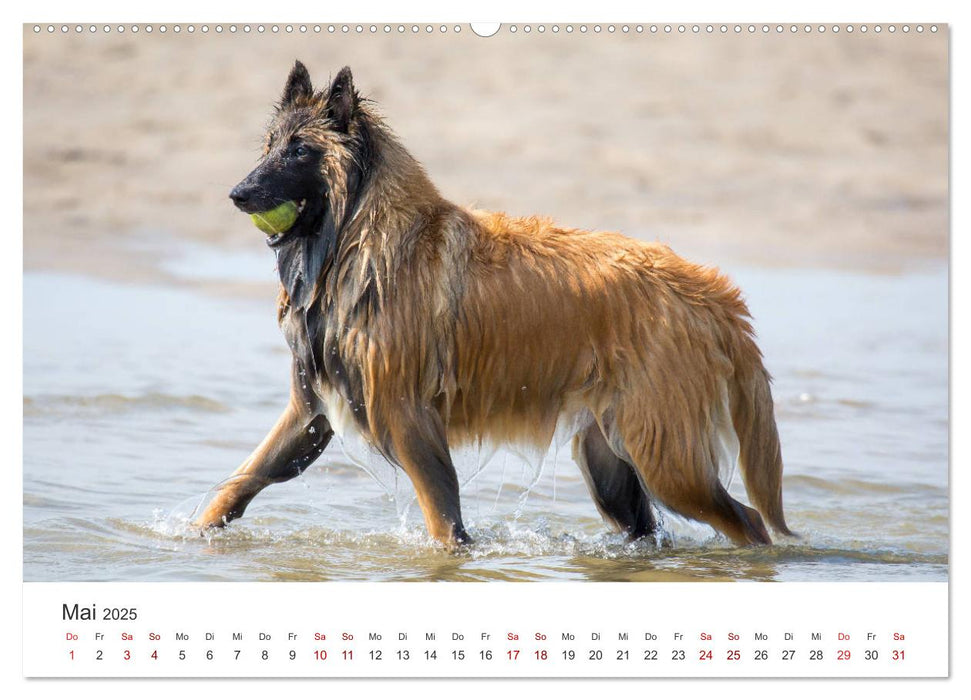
(378, 195)
(380, 222)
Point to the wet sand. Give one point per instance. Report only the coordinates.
(770, 150)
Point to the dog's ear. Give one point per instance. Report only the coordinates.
(298, 86)
(342, 99)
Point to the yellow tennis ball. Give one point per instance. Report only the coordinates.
(276, 220)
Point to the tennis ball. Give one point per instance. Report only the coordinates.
(276, 220)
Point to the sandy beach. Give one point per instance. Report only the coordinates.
(767, 149)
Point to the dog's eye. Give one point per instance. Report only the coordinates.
(301, 151)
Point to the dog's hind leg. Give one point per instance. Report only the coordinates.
(420, 447)
(613, 483)
(710, 503)
(678, 470)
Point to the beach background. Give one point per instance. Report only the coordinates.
(812, 168)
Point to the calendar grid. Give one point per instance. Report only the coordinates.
(495, 630)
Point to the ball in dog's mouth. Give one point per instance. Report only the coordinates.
(279, 219)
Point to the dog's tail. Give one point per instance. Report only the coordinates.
(760, 454)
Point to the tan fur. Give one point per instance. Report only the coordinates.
(465, 325)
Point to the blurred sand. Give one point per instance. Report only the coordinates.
(798, 150)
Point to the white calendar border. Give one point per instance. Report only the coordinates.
(508, 10)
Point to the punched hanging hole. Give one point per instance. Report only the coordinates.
(485, 29)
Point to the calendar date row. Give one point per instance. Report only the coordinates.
(569, 655)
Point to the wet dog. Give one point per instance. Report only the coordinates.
(423, 325)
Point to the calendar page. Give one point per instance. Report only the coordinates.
(386, 349)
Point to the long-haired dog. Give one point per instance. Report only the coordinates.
(424, 325)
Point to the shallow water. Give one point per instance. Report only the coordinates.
(138, 399)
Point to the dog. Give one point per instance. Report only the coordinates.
(422, 325)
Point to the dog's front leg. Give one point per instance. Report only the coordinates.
(421, 449)
(297, 439)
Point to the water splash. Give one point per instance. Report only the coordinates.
(177, 522)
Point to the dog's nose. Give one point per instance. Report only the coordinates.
(241, 194)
